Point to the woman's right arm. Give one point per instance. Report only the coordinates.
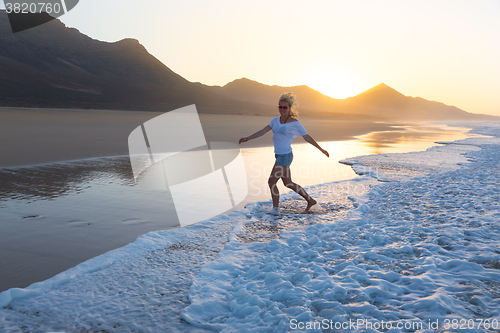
(256, 134)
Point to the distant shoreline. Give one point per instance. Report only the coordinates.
(39, 136)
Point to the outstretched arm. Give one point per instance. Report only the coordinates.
(309, 139)
(256, 134)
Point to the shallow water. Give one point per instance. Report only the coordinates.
(55, 216)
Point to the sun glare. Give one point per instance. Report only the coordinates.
(333, 84)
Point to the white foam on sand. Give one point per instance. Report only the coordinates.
(417, 243)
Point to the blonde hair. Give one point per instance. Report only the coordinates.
(292, 103)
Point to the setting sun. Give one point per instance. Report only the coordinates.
(435, 50)
(333, 83)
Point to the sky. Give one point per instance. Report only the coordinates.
(441, 50)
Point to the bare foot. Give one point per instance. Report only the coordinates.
(310, 203)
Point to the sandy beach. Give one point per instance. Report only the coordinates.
(38, 243)
(56, 215)
(416, 249)
(35, 136)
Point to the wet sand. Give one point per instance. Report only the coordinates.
(38, 243)
(37, 136)
(55, 216)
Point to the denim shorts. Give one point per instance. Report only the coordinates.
(284, 159)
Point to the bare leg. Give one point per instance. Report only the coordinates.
(287, 180)
(276, 173)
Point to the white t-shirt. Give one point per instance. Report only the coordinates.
(283, 134)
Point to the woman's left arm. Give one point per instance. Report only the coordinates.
(309, 139)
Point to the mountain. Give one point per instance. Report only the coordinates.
(386, 102)
(310, 101)
(58, 67)
(52, 66)
(380, 102)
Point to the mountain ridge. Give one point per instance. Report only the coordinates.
(379, 102)
(53, 66)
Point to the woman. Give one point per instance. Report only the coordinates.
(285, 128)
